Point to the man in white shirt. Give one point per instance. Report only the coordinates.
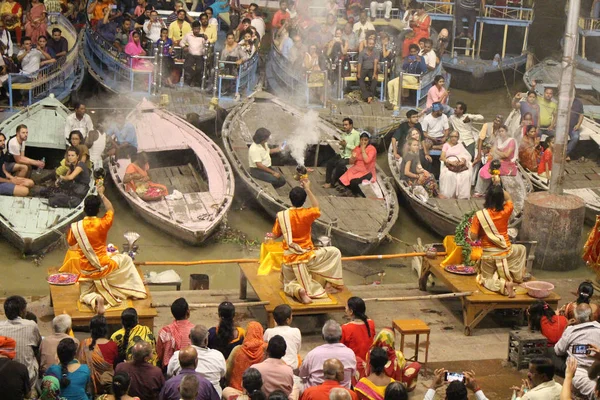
(384, 5)
(6, 40)
(32, 59)
(259, 23)
(428, 54)
(436, 127)
(194, 44)
(153, 26)
(78, 121)
(211, 363)
(362, 26)
(293, 339)
(462, 123)
(17, 164)
(540, 382)
(456, 389)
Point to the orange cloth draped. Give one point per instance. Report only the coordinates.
(500, 219)
(591, 250)
(250, 352)
(96, 230)
(8, 347)
(422, 29)
(301, 220)
(133, 168)
(102, 371)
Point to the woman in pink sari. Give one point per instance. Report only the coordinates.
(36, 21)
(455, 172)
(363, 160)
(134, 48)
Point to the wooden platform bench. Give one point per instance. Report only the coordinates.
(478, 305)
(269, 288)
(64, 300)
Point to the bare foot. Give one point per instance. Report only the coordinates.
(369, 100)
(510, 289)
(329, 288)
(304, 297)
(327, 186)
(100, 309)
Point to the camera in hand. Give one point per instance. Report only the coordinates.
(454, 376)
(581, 349)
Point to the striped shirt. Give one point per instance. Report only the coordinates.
(27, 336)
(467, 4)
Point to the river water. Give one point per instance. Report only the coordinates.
(26, 276)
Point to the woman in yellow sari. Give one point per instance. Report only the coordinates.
(136, 179)
(99, 354)
(372, 387)
(502, 265)
(130, 334)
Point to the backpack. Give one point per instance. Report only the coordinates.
(62, 200)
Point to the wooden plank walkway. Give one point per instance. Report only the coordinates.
(269, 288)
(64, 300)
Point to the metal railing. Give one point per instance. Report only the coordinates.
(243, 74)
(516, 11)
(509, 13)
(589, 24)
(39, 84)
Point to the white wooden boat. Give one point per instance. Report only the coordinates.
(356, 225)
(183, 158)
(28, 222)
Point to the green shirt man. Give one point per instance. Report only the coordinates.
(337, 165)
(548, 109)
(352, 140)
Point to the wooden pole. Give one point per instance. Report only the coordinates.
(480, 39)
(504, 41)
(424, 297)
(215, 305)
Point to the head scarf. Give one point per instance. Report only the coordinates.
(396, 361)
(133, 48)
(50, 388)
(7, 347)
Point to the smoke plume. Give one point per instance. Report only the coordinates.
(305, 134)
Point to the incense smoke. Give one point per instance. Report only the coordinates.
(305, 134)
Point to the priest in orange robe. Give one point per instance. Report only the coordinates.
(308, 272)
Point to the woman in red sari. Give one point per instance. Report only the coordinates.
(99, 354)
(358, 334)
(36, 21)
(136, 179)
(363, 160)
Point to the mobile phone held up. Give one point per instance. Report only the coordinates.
(454, 376)
(580, 349)
(284, 144)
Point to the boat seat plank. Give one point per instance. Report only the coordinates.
(210, 204)
(42, 219)
(196, 208)
(161, 207)
(178, 210)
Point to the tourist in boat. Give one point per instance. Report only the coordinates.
(502, 265)
(74, 377)
(232, 53)
(585, 292)
(337, 165)
(136, 179)
(225, 336)
(308, 272)
(414, 173)
(134, 49)
(455, 172)
(439, 94)
(372, 387)
(487, 137)
(259, 157)
(521, 130)
(575, 120)
(337, 54)
(548, 110)
(36, 20)
(505, 151)
(403, 133)
(47, 52)
(251, 351)
(96, 10)
(529, 149)
(363, 166)
(247, 43)
(58, 43)
(6, 41)
(16, 163)
(358, 334)
(103, 278)
(368, 67)
(529, 105)
(76, 180)
(436, 127)
(256, 38)
(421, 22)
(109, 25)
(179, 28)
(96, 143)
(99, 354)
(78, 121)
(368, 35)
(131, 333)
(412, 65)
(542, 318)
(363, 26)
(350, 37)
(153, 26)
(11, 13)
(11, 185)
(463, 124)
(545, 166)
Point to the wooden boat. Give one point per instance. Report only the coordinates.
(181, 157)
(29, 223)
(440, 215)
(355, 225)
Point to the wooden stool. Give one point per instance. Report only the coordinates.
(412, 327)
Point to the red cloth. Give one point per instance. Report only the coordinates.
(553, 330)
(278, 18)
(173, 337)
(8, 347)
(362, 166)
(406, 44)
(355, 337)
(110, 351)
(321, 392)
(546, 158)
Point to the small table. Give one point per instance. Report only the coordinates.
(412, 327)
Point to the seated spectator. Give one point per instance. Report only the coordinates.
(79, 121)
(31, 60)
(132, 333)
(96, 143)
(74, 377)
(122, 35)
(232, 52)
(456, 169)
(58, 44)
(188, 388)
(120, 388)
(176, 335)
(404, 132)
(76, 180)
(312, 63)
(11, 13)
(36, 20)
(333, 7)
(141, 8)
(529, 105)
(372, 387)
(395, 391)
(61, 325)
(295, 52)
(153, 26)
(96, 9)
(543, 319)
(350, 37)
(11, 185)
(503, 151)
(333, 376)
(135, 50)
(122, 139)
(413, 172)
(194, 45)
(259, 23)
(275, 373)
(179, 5)
(259, 156)
(421, 21)
(529, 149)
(545, 167)
(238, 33)
(381, 5)
(362, 166)
(256, 38)
(42, 45)
(292, 336)
(99, 354)
(141, 19)
(211, 19)
(242, 357)
(414, 64)
(363, 25)
(179, 28)
(211, 363)
(280, 15)
(585, 292)
(26, 333)
(456, 389)
(311, 370)
(208, 30)
(386, 46)
(252, 386)
(16, 162)
(540, 383)
(188, 360)
(14, 379)
(247, 43)
(438, 94)
(436, 127)
(429, 55)
(358, 334)
(367, 67)
(337, 47)
(146, 379)
(225, 336)
(368, 35)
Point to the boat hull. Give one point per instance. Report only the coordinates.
(487, 78)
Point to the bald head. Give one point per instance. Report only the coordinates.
(188, 358)
(339, 394)
(141, 352)
(199, 336)
(333, 369)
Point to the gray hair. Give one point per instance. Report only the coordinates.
(332, 331)
(339, 394)
(583, 312)
(188, 388)
(198, 335)
(61, 323)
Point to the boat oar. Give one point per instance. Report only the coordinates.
(255, 260)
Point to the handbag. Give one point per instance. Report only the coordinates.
(462, 166)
